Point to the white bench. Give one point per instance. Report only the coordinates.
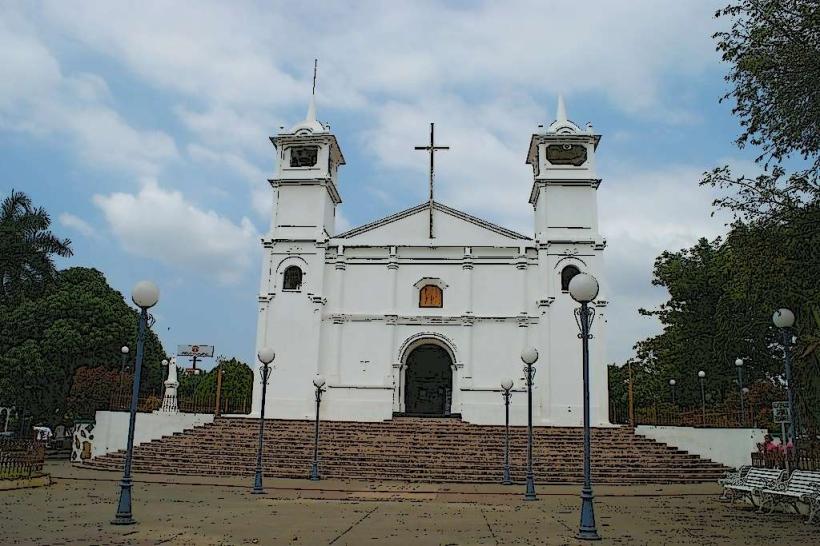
(802, 486)
(752, 483)
(733, 477)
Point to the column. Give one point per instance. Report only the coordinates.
(338, 316)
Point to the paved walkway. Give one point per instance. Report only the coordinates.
(196, 510)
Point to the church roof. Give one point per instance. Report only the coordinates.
(437, 207)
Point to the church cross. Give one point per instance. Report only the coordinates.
(432, 149)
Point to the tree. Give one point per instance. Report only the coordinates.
(237, 383)
(27, 248)
(91, 390)
(80, 321)
(773, 48)
(722, 294)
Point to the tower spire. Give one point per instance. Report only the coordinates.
(311, 113)
(561, 113)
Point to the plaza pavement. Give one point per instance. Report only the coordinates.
(77, 509)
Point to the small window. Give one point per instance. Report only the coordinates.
(303, 156)
(293, 278)
(431, 296)
(566, 275)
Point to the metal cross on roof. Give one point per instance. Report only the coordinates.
(432, 148)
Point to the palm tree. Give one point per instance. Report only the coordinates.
(27, 248)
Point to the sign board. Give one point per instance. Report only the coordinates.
(195, 350)
(780, 412)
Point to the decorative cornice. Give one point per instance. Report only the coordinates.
(327, 182)
(461, 320)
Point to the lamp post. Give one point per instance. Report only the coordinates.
(672, 384)
(584, 288)
(529, 356)
(739, 366)
(124, 351)
(784, 319)
(266, 356)
(506, 387)
(318, 382)
(145, 295)
(745, 392)
(702, 376)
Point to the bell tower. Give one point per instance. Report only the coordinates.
(564, 180)
(306, 181)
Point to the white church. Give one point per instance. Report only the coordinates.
(426, 311)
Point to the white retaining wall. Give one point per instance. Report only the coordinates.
(729, 446)
(111, 428)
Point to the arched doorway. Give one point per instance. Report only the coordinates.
(428, 381)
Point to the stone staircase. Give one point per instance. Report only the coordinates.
(414, 449)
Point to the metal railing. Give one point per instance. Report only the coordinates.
(121, 401)
(807, 459)
(20, 458)
(681, 417)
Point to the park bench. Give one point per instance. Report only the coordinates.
(732, 478)
(752, 483)
(802, 486)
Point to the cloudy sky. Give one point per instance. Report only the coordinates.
(143, 128)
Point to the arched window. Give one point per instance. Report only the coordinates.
(292, 278)
(431, 296)
(566, 275)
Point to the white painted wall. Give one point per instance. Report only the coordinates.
(356, 316)
(730, 446)
(111, 428)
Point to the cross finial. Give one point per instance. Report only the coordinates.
(432, 148)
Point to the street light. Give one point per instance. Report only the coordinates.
(506, 386)
(266, 356)
(145, 295)
(784, 319)
(529, 356)
(124, 350)
(739, 366)
(318, 382)
(702, 376)
(672, 384)
(584, 288)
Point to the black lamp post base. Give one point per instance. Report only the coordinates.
(587, 530)
(257, 483)
(314, 472)
(506, 479)
(123, 515)
(530, 493)
(588, 535)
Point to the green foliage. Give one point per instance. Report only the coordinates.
(721, 298)
(26, 249)
(237, 382)
(91, 390)
(773, 48)
(80, 321)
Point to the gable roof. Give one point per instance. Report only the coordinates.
(489, 226)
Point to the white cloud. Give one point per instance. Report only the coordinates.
(160, 224)
(79, 225)
(642, 213)
(39, 99)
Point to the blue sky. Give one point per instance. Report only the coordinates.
(143, 129)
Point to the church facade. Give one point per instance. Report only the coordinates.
(426, 311)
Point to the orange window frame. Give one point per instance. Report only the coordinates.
(431, 296)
